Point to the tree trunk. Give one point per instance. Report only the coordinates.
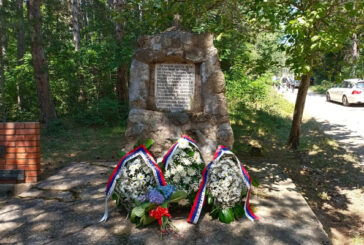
(47, 109)
(122, 83)
(84, 4)
(121, 77)
(2, 58)
(76, 26)
(294, 136)
(20, 47)
(355, 55)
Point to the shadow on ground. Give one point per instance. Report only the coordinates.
(330, 178)
(65, 209)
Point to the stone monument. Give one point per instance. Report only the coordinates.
(177, 87)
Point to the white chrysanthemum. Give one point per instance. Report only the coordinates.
(183, 202)
(187, 180)
(197, 157)
(195, 187)
(132, 167)
(224, 174)
(183, 154)
(182, 143)
(176, 178)
(191, 172)
(186, 162)
(140, 176)
(124, 173)
(167, 174)
(180, 169)
(183, 173)
(173, 171)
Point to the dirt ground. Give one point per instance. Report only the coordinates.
(334, 191)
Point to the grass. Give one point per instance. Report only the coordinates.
(322, 88)
(78, 144)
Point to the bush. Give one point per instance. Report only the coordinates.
(249, 90)
(107, 112)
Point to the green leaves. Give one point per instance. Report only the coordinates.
(146, 220)
(121, 153)
(148, 143)
(226, 215)
(255, 182)
(177, 196)
(138, 211)
(238, 211)
(210, 200)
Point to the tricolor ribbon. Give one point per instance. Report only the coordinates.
(168, 156)
(147, 158)
(200, 197)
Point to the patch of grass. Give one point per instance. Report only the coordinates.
(266, 122)
(72, 143)
(323, 87)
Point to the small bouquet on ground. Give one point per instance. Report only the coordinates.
(154, 206)
(136, 174)
(183, 165)
(225, 182)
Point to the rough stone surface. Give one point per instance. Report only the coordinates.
(32, 218)
(209, 108)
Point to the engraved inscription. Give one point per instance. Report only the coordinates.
(174, 86)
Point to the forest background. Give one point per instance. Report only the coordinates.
(82, 49)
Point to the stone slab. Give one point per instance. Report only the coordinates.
(285, 217)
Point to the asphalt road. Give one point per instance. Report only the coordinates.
(344, 124)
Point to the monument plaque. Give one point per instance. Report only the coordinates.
(177, 87)
(174, 86)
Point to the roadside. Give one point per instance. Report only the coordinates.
(330, 175)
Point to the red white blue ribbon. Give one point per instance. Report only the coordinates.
(148, 159)
(168, 156)
(200, 197)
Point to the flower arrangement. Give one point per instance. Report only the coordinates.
(183, 165)
(136, 174)
(136, 179)
(153, 206)
(225, 182)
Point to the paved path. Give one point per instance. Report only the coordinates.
(344, 124)
(66, 207)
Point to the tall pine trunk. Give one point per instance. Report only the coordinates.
(122, 71)
(84, 4)
(20, 48)
(76, 26)
(2, 58)
(294, 135)
(47, 109)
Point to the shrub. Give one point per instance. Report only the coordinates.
(107, 112)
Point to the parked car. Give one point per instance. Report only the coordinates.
(297, 83)
(350, 91)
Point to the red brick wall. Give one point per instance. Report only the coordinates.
(22, 149)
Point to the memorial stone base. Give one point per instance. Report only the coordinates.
(176, 88)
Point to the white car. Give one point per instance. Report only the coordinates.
(350, 91)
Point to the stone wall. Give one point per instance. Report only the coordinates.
(22, 149)
(208, 120)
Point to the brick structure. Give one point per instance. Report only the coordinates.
(22, 150)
